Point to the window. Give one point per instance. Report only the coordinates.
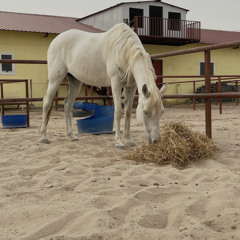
(174, 21)
(7, 68)
(202, 68)
(133, 12)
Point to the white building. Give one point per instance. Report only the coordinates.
(154, 21)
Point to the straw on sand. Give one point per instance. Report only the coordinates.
(179, 146)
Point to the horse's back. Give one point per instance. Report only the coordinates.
(70, 40)
(75, 40)
(82, 54)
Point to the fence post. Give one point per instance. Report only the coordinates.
(136, 24)
(194, 99)
(2, 107)
(219, 90)
(27, 103)
(208, 117)
(236, 84)
(92, 92)
(86, 91)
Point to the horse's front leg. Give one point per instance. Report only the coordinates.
(129, 96)
(116, 91)
(73, 91)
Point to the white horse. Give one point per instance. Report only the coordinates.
(114, 58)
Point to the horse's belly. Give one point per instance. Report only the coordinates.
(97, 81)
(92, 77)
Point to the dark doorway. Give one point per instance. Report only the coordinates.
(158, 66)
(174, 21)
(156, 22)
(133, 12)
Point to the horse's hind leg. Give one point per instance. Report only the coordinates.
(53, 86)
(74, 89)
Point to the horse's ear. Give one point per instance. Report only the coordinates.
(163, 89)
(145, 91)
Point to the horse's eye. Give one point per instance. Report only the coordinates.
(144, 112)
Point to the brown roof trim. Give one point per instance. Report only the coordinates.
(36, 14)
(209, 36)
(106, 9)
(25, 22)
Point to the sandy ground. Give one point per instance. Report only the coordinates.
(85, 190)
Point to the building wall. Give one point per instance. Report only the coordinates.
(105, 20)
(28, 46)
(145, 7)
(108, 18)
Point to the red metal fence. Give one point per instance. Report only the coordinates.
(219, 80)
(18, 101)
(208, 95)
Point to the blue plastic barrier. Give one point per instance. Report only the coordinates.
(14, 121)
(100, 122)
(85, 106)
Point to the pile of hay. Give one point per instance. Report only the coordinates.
(179, 146)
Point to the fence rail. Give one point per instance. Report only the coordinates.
(23, 61)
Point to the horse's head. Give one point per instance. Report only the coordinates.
(149, 110)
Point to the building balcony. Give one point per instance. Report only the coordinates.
(166, 31)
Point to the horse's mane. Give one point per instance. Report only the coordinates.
(124, 47)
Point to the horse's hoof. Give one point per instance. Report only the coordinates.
(119, 146)
(44, 140)
(74, 139)
(130, 144)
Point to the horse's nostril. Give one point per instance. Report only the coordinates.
(152, 141)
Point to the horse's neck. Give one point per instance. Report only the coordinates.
(140, 74)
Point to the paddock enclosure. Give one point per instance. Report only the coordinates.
(87, 190)
(208, 96)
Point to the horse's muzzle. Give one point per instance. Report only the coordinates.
(152, 141)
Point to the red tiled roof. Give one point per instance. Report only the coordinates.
(40, 23)
(54, 24)
(218, 36)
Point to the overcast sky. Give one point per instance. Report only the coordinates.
(213, 14)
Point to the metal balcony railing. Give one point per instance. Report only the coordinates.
(166, 31)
